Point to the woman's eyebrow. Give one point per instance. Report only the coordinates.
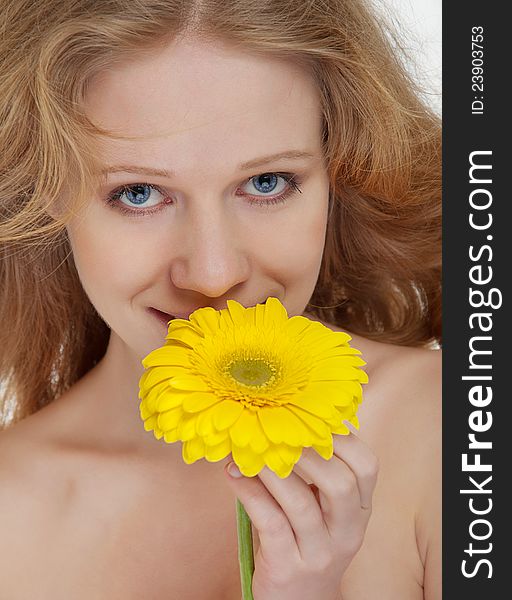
(136, 170)
(287, 154)
(251, 164)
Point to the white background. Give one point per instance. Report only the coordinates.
(419, 25)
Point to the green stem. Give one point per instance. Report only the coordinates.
(245, 550)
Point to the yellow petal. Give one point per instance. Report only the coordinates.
(318, 406)
(345, 413)
(150, 424)
(191, 383)
(275, 463)
(270, 424)
(358, 389)
(150, 398)
(172, 343)
(187, 427)
(342, 401)
(275, 314)
(363, 376)
(143, 392)
(170, 398)
(213, 439)
(259, 316)
(237, 312)
(171, 436)
(297, 325)
(230, 331)
(285, 472)
(145, 413)
(204, 423)
(219, 451)
(319, 427)
(289, 454)
(355, 421)
(167, 356)
(180, 323)
(158, 374)
(323, 342)
(226, 413)
(337, 352)
(185, 335)
(295, 374)
(302, 436)
(320, 373)
(341, 429)
(249, 463)
(192, 450)
(158, 433)
(170, 418)
(328, 389)
(198, 401)
(336, 394)
(338, 362)
(259, 441)
(241, 431)
(206, 319)
(335, 390)
(324, 451)
(281, 425)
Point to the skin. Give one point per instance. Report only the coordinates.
(203, 109)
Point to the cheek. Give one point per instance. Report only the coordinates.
(108, 264)
(295, 253)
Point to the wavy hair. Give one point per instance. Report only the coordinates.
(380, 273)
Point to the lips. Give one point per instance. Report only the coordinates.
(166, 317)
(161, 316)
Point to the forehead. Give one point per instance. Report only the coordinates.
(205, 102)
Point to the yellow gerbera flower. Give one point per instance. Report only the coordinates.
(251, 382)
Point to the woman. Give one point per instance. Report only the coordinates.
(162, 156)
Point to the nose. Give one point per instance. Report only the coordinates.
(211, 256)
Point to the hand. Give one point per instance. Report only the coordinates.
(309, 534)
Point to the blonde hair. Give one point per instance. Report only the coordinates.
(380, 274)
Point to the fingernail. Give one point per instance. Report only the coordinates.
(234, 471)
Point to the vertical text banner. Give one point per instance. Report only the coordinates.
(477, 264)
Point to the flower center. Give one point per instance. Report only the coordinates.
(251, 371)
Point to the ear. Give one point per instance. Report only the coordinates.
(58, 205)
(55, 208)
(52, 211)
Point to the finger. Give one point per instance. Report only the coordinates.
(362, 461)
(337, 490)
(277, 541)
(302, 510)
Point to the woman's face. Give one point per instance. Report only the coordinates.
(205, 206)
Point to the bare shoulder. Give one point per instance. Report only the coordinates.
(28, 471)
(404, 385)
(401, 418)
(27, 501)
(409, 380)
(402, 412)
(20, 462)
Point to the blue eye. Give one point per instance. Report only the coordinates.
(282, 184)
(265, 183)
(139, 199)
(137, 194)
